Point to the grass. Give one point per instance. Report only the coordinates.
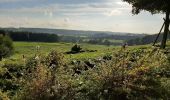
(28, 49)
(115, 41)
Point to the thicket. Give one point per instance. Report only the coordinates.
(6, 46)
(127, 74)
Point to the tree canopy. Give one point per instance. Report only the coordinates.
(153, 6)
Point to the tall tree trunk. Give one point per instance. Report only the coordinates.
(166, 30)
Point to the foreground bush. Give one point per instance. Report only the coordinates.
(6, 46)
(3, 96)
(136, 74)
(47, 80)
(144, 77)
(124, 78)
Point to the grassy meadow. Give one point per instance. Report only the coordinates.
(29, 49)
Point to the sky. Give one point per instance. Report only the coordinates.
(98, 15)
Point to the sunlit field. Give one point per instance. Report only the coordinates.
(29, 49)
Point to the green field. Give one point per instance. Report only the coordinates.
(28, 49)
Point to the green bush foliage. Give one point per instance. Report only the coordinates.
(127, 74)
(6, 46)
(3, 96)
(76, 48)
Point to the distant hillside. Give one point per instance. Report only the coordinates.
(92, 37)
(145, 40)
(72, 32)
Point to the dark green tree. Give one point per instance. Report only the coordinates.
(76, 48)
(6, 46)
(153, 6)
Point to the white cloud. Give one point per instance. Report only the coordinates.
(122, 3)
(12, 1)
(86, 16)
(48, 13)
(73, 9)
(5, 1)
(67, 20)
(114, 12)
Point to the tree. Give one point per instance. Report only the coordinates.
(6, 46)
(153, 6)
(76, 48)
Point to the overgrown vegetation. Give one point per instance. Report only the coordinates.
(137, 73)
(6, 46)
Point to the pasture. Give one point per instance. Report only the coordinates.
(29, 49)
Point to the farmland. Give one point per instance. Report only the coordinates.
(29, 50)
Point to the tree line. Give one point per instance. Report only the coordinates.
(32, 37)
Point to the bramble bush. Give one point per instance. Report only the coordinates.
(126, 74)
(3, 96)
(47, 80)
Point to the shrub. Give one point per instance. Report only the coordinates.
(47, 81)
(6, 46)
(123, 79)
(117, 78)
(3, 96)
(10, 74)
(76, 48)
(55, 60)
(141, 81)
